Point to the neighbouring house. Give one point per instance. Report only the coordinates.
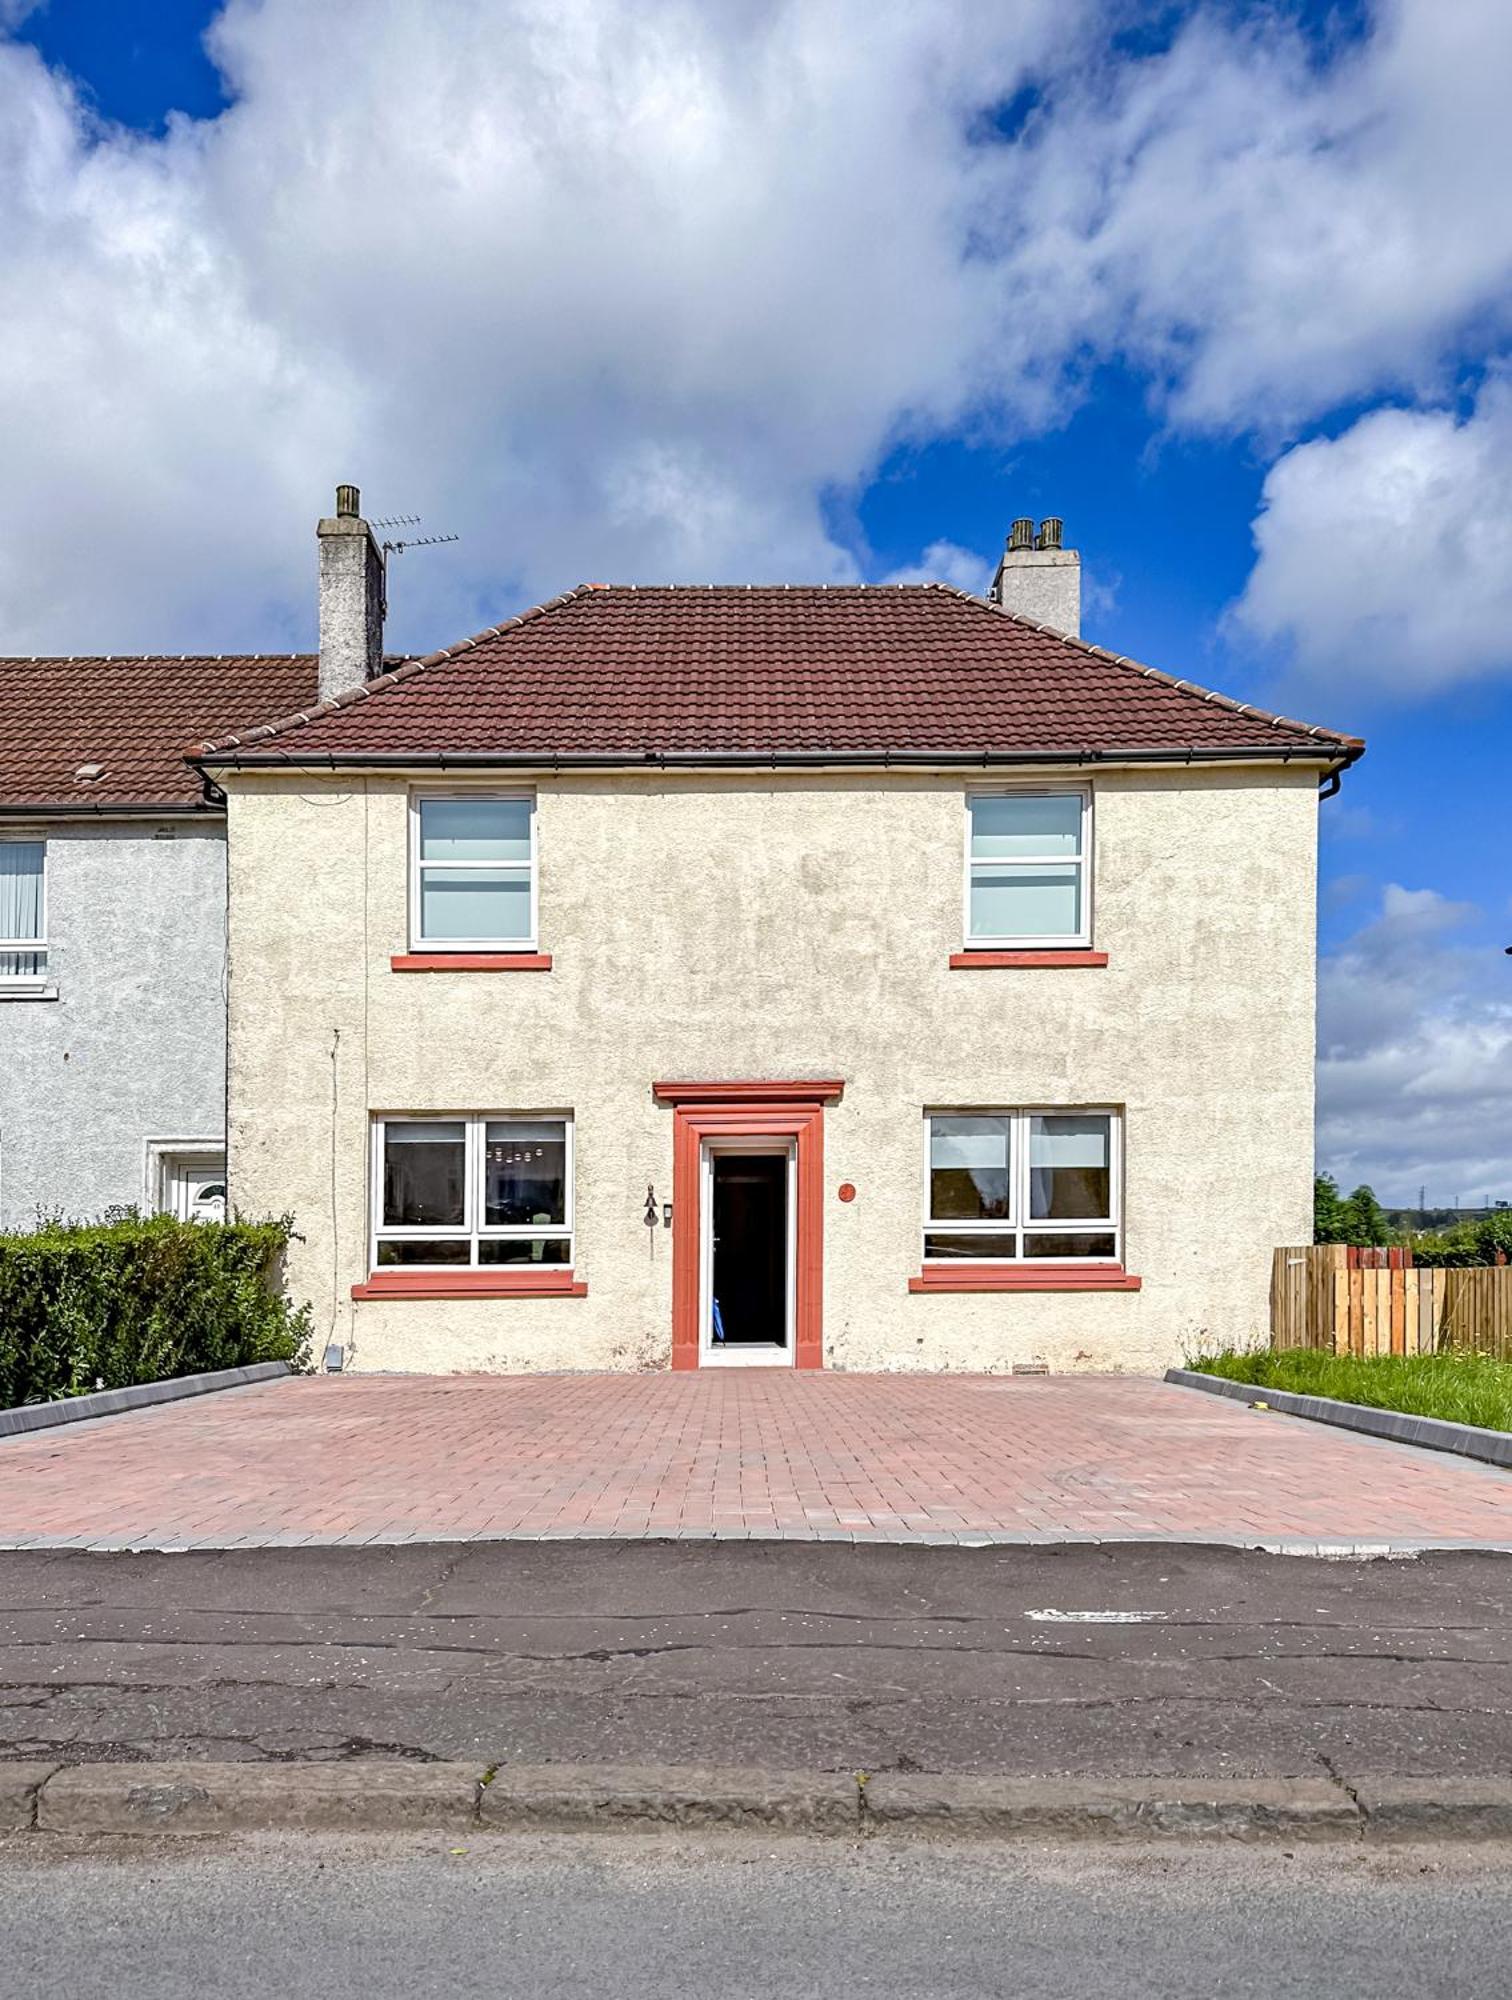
(112, 930)
(869, 977)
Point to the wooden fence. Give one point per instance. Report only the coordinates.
(1323, 1295)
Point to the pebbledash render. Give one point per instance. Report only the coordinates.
(839, 977)
(112, 929)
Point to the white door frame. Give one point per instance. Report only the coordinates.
(171, 1163)
(712, 1354)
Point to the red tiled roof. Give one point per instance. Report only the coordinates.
(134, 717)
(625, 673)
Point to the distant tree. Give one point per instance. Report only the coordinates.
(1328, 1210)
(1493, 1237)
(1365, 1219)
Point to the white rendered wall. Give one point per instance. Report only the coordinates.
(133, 1046)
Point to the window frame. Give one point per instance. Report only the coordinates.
(472, 1230)
(37, 947)
(418, 941)
(1019, 1223)
(1079, 940)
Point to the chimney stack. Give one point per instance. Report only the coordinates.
(1038, 579)
(351, 598)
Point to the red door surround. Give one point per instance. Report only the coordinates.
(758, 1111)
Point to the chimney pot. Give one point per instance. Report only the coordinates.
(348, 503)
(1038, 579)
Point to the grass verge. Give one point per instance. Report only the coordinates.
(1460, 1388)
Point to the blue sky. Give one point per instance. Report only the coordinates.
(817, 292)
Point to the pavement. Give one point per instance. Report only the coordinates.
(756, 1919)
(362, 1460)
(1080, 1662)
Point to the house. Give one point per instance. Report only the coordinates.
(112, 929)
(869, 977)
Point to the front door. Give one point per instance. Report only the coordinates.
(192, 1185)
(747, 1306)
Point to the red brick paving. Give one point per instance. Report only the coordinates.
(395, 1457)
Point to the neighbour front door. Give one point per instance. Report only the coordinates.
(193, 1186)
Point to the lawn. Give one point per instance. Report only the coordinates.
(1462, 1388)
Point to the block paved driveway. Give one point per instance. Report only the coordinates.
(391, 1458)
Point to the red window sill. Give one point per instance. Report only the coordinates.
(980, 960)
(471, 961)
(500, 1284)
(1024, 1278)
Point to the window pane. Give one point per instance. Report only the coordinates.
(475, 829)
(415, 1250)
(22, 964)
(424, 1174)
(524, 1172)
(525, 1250)
(21, 891)
(1070, 1172)
(983, 1245)
(1069, 1246)
(472, 904)
(1026, 901)
(1047, 824)
(969, 1161)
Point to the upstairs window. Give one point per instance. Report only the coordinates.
(1032, 1186)
(23, 912)
(473, 873)
(475, 1191)
(1026, 869)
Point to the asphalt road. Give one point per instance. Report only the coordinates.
(1124, 1660)
(647, 1915)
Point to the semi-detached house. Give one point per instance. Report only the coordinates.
(846, 977)
(112, 928)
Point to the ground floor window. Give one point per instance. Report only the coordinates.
(476, 1190)
(1024, 1185)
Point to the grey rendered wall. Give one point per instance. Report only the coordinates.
(133, 1047)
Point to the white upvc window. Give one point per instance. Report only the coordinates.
(1028, 868)
(23, 912)
(477, 1190)
(472, 871)
(1023, 1186)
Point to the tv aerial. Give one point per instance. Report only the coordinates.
(397, 548)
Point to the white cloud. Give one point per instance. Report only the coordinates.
(1385, 555)
(1269, 235)
(636, 287)
(946, 562)
(1415, 1054)
(612, 287)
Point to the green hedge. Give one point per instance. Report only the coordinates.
(138, 1299)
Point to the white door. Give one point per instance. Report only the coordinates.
(748, 1264)
(194, 1186)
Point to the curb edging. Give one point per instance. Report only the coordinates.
(135, 1396)
(1396, 1426)
(373, 1796)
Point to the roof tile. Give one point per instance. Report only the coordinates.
(710, 671)
(132, 716)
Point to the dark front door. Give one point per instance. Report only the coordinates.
(750, 1248)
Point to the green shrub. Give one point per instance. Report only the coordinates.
(1486, 1241)
(138, 1299)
